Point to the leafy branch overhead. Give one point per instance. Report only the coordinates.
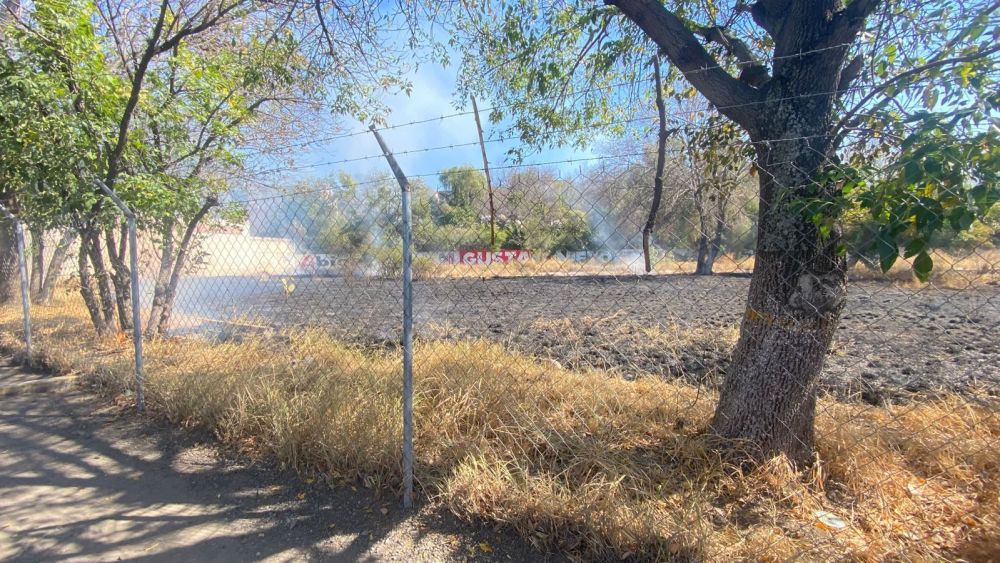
(576, 73)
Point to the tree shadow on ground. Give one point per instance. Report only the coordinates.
(83, 480)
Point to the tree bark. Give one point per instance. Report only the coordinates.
(37, 262)
(105, 293)
(121, 277)
(162, 280)
(8, 261)
(768, 399)
(90, 298)
(55, 269)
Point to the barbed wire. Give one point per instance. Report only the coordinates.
(575, 93)
(678, 116)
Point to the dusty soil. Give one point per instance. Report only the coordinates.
(893, 343)
(84, 480)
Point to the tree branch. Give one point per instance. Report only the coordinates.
(173, 41)
(913, 71)
(768, 14)
(680, 45)
(753, 72)
(115, 157)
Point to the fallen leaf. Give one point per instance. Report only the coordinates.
(485, 547)
(301, 496)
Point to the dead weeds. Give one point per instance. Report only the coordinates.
(581, 461)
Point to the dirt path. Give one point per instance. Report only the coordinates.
(82, 480)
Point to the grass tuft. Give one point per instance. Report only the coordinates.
(577, 460)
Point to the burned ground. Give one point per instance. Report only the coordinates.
(893, 342)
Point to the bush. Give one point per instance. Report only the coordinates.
(389, 264)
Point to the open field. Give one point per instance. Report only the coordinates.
(583, 461)
(894, 342)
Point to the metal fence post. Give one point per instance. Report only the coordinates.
(140, 399)
(404, 187)
(22, 263)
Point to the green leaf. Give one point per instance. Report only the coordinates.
(922, 266)
(888, 251)
(915, 246)
(961, 219)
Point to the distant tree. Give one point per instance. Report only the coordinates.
(539, 212)
(465, 195)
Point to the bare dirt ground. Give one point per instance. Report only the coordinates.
(893, 344)
(84, 480)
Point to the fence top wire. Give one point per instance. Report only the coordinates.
(537, 99)
(434, 174)
(613, 86)
(682, 117)
(597, 158)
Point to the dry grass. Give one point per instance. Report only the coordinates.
(951, 270)
(588, 463)
(427, 269)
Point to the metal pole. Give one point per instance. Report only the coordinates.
(140, 396)
(404, 187)
(22, 263)
(25, 290)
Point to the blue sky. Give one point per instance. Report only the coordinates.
(432, 96)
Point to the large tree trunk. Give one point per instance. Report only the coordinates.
(9, 275)
(52, 274)
(37, 262)
(768, 399)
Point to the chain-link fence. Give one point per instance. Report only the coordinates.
(565, 374)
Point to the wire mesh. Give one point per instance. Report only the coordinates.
(559, 387)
